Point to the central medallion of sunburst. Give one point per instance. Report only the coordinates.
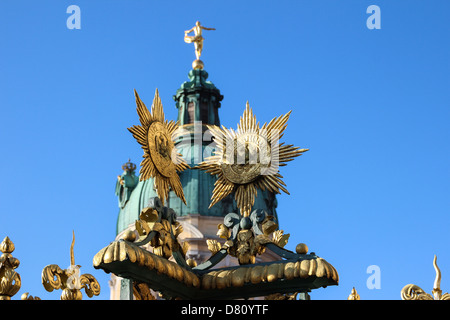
(249, 158)
(161, 159)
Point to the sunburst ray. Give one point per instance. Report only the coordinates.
(222, 188)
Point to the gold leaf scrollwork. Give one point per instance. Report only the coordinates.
(247, 246)
(69, 280)
(71, 294)
(279, 238)
(413, 292)
(223, 232)
(213, 246)
(10, 284)
(164, 241)
(90, 285)
(51, 277)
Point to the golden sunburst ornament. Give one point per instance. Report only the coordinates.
(161, 159)
(249, 158)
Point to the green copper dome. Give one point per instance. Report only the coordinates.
(198, 101)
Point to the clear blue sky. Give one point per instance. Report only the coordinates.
(373, 107)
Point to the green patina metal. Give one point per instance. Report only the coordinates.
(126, 183)
(198, 101)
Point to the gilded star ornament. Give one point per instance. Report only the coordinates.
(249, 158)
(161, 159)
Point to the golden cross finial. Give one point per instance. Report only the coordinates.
(197, 39)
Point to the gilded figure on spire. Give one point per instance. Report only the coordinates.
(197, 39)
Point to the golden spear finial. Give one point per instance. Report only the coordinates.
(72, 256)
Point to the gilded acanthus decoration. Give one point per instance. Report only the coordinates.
(69, 280)
(213, 245)
(414, 292)
(161, 161)
(10, 281)
(158, 226)
(279, 238)
(248, 236)
(248, 158)
(248, 246)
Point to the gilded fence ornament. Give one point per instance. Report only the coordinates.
(279, 238)
(161, 161)
(213, 245)
(248, 158)
(354, 295)
(10, 281)
(27, 296)
(248, 237)
(69, 280)
(158, 226)
(141, 291)
(414, 292)
(248, 246)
